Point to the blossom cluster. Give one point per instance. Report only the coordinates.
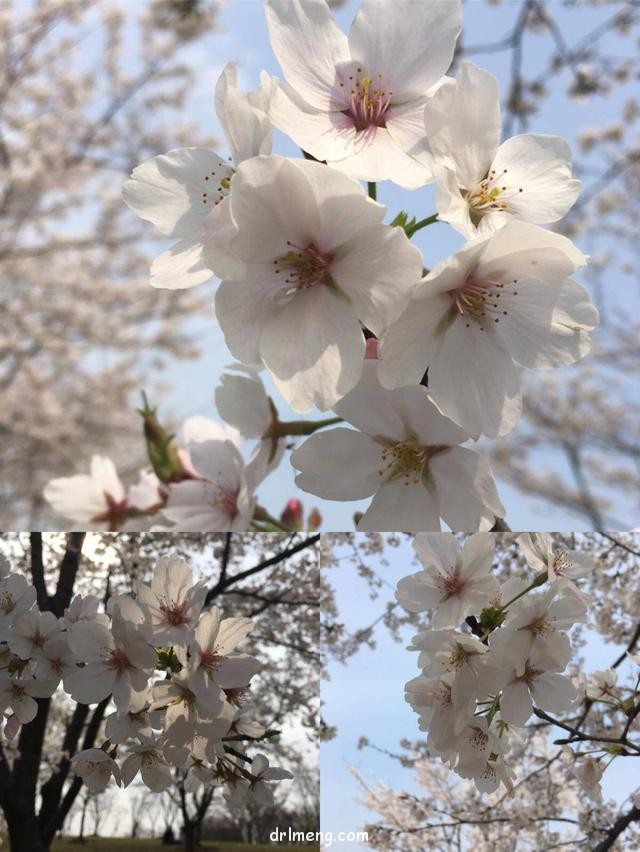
(170, 668)
(493, 654)
(334, 302)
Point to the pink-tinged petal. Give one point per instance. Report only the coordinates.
(410, 43)
(329, 136)
(374, 155)
(405, 124)
(308, 45)
(466, 490)
(398, 507)
(323, 459)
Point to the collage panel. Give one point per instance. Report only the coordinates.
(481, 692)
(158, 690)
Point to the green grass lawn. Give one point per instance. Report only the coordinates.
(124, 844)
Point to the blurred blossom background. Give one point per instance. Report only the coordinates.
(90, 88)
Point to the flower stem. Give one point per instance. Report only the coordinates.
(539, 580)
(372, 190)
(300, 427)
(410, 230)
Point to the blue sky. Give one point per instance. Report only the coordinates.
(243, 37)
(366, 698)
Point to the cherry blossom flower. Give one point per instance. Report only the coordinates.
(98, 500)
(221, 499)
(31, 631)
(602, 686)
(184, 192)
(186, 704)
(119, 662)
(504, 302)
(213, 662)
(562, 566)
(148, 759)
(83, 608)
(17, 596)
(480, 183)
(172, 603)
(477, 743)
(318, 263)
(407, 455)
(588, 771)
(541, 619)
(432, 699)
(358, 102)
(19, 694)
(55, 661)
(444, 652)
(96, 768)
(258, 788)
(133, 722)
(453, 582)
(529, 675)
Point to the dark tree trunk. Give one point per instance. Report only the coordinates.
(189, 836)
(23, 829)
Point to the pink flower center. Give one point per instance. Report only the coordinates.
(37, 639)
(224, 498)
(561, 564)
(302, 267)
(451, 585)
(114, 514)
(118, 660)
(175, 613)
(209, 659)
(530, 674)
(478, 300)
(366, 98)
